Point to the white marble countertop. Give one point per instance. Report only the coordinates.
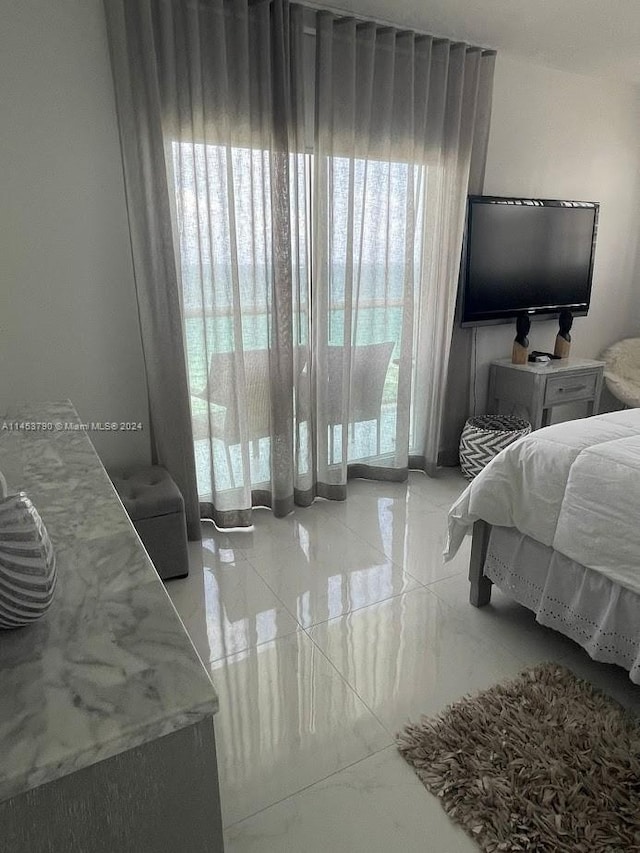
(110, 666)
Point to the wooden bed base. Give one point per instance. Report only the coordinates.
(480, 593)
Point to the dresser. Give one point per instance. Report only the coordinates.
(106, 711)
(535, 389)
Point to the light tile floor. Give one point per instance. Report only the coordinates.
(324, 633)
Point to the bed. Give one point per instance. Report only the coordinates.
(556, 526)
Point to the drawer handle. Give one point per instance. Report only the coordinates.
(572, 388)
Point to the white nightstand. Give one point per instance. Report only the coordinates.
(539, 387)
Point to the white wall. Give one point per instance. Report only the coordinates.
(561, 135)
(68, 319)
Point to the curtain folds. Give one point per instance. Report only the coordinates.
(233, 123)
(458, 398)
(151, 224)
(400, 119)
(297, 184)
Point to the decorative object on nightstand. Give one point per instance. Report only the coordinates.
(156, 507)
(563, 338)
(520, 351)
(27, 561)
(484, 436)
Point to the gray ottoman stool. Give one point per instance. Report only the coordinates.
(156, 508)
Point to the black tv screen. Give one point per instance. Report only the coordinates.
(531, 256)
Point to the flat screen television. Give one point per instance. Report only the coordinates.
(524, 255)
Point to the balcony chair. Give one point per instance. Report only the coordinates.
(221, 419)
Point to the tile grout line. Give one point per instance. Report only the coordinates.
(433, 510)
(481, 636)
(305, 631)
(277, 597)
(355, 610)
(419, 588)
(348, 683)
(259, 645)
(300, 627)
(310, 785)
(296, 630)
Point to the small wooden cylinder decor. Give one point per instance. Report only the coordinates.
(520, 351)
(563, 338)
(27, 561)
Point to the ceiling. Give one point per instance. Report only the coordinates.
(596, 37)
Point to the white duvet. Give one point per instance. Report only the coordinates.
(574, 486)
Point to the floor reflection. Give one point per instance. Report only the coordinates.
(323, 561)
(286, 719)
(325, 632)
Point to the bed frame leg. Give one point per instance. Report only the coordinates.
(480, 593)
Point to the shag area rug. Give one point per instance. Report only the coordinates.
(543, 763)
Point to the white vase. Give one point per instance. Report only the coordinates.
(27, 561)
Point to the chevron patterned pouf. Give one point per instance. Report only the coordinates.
(484, 436)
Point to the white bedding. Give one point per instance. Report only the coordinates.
(574, 486)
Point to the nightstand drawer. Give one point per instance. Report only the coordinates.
(567, 389)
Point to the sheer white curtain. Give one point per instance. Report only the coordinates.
(396, 120)
(233, 123)
(316, 168)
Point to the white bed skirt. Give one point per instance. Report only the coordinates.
(600, 615)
